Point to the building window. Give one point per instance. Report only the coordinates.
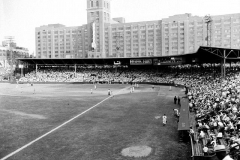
(97, 3)
(91, 3)
(107, 5)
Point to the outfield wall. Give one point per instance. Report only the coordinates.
(150, 83)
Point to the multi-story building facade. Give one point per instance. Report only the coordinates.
(106, 37)
(58, 41)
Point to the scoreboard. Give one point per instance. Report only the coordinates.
(141, 62)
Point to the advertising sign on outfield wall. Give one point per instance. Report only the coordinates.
(140, 62)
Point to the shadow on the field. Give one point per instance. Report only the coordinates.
(26, 115)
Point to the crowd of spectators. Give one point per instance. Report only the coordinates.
(102, 75)
(216, 104)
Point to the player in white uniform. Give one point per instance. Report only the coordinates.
(164, 120)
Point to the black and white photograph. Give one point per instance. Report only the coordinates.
(119, 79)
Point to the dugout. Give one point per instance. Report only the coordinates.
(184, 121)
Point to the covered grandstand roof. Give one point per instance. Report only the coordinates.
(230, 54)
(203, 55)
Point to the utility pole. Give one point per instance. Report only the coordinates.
(10, 40)
(208, 20)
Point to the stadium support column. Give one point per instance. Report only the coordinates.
(221, 68)
(36, 69)
(224, 64)
(191, 69)
(22, 71)
(75, 66)
(230, 65)
(214, 70)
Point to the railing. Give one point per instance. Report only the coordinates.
(192, 147)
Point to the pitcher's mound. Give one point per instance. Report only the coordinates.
(136, 151)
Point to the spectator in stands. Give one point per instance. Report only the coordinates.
(202, 134)
(205, 150)
(191, 132)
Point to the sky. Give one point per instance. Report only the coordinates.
(19, 18)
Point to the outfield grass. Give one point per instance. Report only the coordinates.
(121, 121)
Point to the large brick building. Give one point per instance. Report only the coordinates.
(107, 37)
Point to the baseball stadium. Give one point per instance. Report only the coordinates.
(109, 90)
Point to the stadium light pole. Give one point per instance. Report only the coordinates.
(10, 40)
(208, 20)
(224, 64)
(118, 36)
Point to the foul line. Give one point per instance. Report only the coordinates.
(37, 139)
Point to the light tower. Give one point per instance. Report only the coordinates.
(208, 20)
(11, 58)
(118, 37)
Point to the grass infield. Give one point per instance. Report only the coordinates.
(125, 120)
